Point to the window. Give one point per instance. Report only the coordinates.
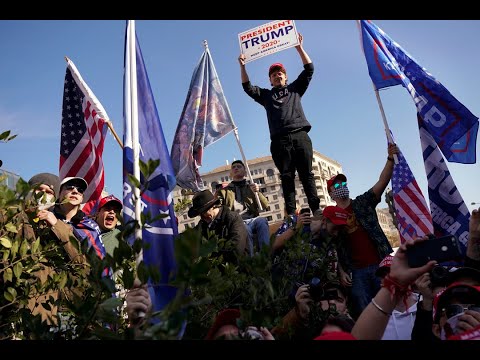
(185, 217)
(275, 197)
(270, 172)
(305, 200)
(277, 207)
(273, 188)
(192, 225)
(279, 216)
(263, 190)
(186, 226)
(269, 218)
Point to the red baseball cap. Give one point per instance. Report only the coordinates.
(104, 201)
(333, 178)
(336, 215)
(276, 66)
(224, 317)
(457, 289)
(384, 267)
(335, 335)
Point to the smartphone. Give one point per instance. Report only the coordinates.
(446, 248)
(305, 210)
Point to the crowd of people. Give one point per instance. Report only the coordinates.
(366, 292)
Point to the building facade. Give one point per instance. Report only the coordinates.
(265, 173)
(8, 179)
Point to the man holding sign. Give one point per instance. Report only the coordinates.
(290, 146)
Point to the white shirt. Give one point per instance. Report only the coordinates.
(400, 325)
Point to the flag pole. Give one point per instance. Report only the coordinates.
(384, 118)
(235, 131)
(379, 101)
(110, 126)
(132, 109)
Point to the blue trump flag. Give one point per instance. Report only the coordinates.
(142, 129)
(450, 215)
(453, 127)
(205, 119)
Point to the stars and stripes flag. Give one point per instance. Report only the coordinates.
(413, 216)
(144, 140)
(84, 127)
(453, 127)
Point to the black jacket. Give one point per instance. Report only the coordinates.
(283, 105)
(230, 226)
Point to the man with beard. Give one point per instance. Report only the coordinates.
(365, 244)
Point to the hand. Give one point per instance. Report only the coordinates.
(474, 224)
(392, 149)
(300, 40)
(401, 272)
(303, 299)
(423, 284)
(255, 187)
(468, 321)
(345, 278)
(241, 59)
(303, 219)
(267, 335)
(48, 216)
(138, 301)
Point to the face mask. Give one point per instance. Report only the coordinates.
(341, 193)
(450, 328)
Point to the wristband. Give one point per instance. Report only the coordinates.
(380, 308)
(389, 158)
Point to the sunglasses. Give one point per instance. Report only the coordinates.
(71, 187)
(337, 185)
(455, 309)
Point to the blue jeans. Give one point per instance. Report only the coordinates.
(365, 286)
(258, 226)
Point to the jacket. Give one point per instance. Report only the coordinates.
(227, 225)
(228, 195)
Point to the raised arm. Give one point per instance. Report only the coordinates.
(243, 70)
(301, 51)
(387, 172)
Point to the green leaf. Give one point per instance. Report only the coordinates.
(8, 296)
(12, 291)
(6, 253)
(17, 270)
(23, 248)
(127, 278)
(12, 228)
(5, 135)
(134, 181)
(6, 242)
(35, 245)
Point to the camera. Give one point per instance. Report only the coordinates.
(315, 288)
(251, 334)
(439, 276)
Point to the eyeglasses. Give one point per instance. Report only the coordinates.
(337, 185)
(455, 309)
(71, 187)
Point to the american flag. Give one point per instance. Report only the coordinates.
(413, 216)
(84, 126)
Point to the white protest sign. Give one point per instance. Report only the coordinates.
(268, 39)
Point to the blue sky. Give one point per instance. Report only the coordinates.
(340, 103)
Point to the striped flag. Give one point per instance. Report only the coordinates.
(84, 127)
(413, 216)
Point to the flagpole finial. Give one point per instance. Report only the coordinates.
(205, 44)
(66, 59)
